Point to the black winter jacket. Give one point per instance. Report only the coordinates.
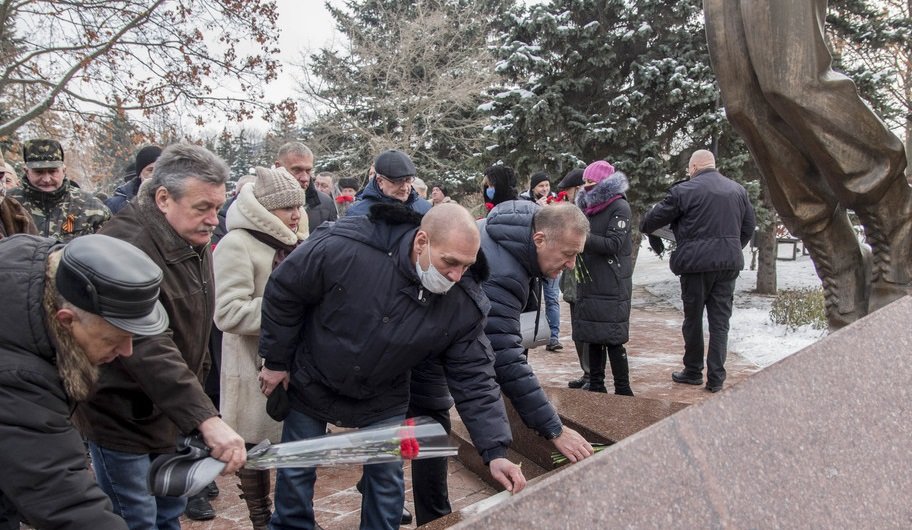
(372, 195)
(506, 240)
(320, 207)
(345, 313)
(601, 314)
(43, 467)
(712, 220)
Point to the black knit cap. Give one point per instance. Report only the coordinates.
(349, 182)
(146, 156)
(114, 280)
(538, 178)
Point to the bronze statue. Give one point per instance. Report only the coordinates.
(818, 145)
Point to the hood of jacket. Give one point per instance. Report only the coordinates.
(509, 225)
(247, 213)
(612, 186)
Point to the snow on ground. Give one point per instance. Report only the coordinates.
(752, 334)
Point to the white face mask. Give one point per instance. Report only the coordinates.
(431, 279)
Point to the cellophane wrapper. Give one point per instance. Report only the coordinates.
(414, 438)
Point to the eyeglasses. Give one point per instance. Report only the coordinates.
(397, 182)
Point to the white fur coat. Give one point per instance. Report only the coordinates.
(242, 266)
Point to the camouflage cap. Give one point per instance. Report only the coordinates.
(42, 153)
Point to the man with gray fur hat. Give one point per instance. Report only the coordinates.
(72, 308)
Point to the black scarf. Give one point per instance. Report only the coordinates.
(282, 250)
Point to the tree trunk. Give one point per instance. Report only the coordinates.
(767, 248)
(766, 267)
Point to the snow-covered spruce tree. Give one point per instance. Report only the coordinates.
(871, 42)
(625, 81)
(409, 75)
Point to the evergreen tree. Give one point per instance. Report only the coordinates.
(871, 42)
(607, 79)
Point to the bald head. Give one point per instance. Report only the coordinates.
(448, 239)
(701, 159)
(447, 221)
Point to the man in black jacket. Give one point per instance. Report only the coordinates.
(345, 318)
(712, 220)
(69, 309)
(298, 159)
(522, 243)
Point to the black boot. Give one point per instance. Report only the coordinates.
(578, 383)
(255, 486)
(597, 368)
(620, 370)
(199, 508)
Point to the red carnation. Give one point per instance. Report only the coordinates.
(344, 198)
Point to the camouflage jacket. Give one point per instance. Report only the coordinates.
(63, 214)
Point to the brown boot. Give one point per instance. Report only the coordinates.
(888, 229)
(844, 268)
(255, 486)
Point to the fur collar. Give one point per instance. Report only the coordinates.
(602, 192)
(76, 372)
(397, 213)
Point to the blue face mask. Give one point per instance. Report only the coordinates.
(489, 193)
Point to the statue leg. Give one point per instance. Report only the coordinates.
(800, 194)
(850, 146)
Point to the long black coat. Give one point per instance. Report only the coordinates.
(601, 314)
(345, 313)
(712, 220)
(43, 468)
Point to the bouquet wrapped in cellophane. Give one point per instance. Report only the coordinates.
(419, 437)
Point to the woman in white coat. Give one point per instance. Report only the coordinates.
(265, 223)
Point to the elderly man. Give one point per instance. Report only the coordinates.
(298, 160)
(522, 243)
(712, 220)
(394, 173)
(59, 208)
(85, 301)
(144, 402)
(349, 313)
(324, 183)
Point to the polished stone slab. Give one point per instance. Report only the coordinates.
(819, 440)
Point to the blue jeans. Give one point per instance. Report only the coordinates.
(124, 478)
(552, 305)
(384, 485)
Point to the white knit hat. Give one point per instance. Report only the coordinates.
(275, 188)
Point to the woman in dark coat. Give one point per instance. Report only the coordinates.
(601, 314)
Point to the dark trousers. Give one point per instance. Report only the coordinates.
(714, 291)
(429, 475)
